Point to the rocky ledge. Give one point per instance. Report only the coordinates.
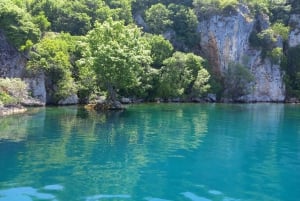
(4, 111)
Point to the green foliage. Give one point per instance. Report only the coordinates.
(17, 24)
(292, 69)
(281, 29)
(122, 10)
(12, 90)
(205, 8)
(118, 54)
(6, 99)
(51, 55)
(237, 81)
(185, 24)
(67, 16)
(183, 74)
(158, 18)
(42, 21)
(161, 49)
(276, 55)
(258, 5)
(228, 3)
(78, 17)
(267, 38)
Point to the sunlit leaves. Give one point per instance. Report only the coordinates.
(183, 74)
(118, 54)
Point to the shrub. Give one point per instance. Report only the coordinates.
(12, 91)
(275, 55)
(281, 29)
(237, 80)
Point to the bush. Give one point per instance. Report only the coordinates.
(17, 24)
(158, 18)
(52, 56)
(205, 8)
(237, 80)
(282, 30)
(12, 91)
(276, 55)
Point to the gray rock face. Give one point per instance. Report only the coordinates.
(125, 100)
(71, 100)
(225, 39)
(294, 37)
(12, 63)
(268, 86)
(37, 87)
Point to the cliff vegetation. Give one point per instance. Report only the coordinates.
(153, 49)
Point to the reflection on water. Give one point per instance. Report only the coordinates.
(161, 152)
(16, 127)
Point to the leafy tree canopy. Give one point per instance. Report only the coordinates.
(118, 54)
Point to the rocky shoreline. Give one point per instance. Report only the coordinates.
(4, 111)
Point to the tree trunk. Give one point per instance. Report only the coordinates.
(112, 95)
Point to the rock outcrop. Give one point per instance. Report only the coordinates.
(225, 39)
(37, 87)
(12, 65)
(71, 100)
(294, 37)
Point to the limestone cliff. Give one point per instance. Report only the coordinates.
(225, 39)
(12, 65)
(294, 37)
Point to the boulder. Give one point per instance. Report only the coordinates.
(71, 100)
(125, 100)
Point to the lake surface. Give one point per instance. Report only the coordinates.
(152, 152)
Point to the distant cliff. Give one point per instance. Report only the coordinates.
(225, 39)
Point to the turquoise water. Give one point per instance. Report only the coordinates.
(156, 152)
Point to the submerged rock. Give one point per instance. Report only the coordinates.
(105, 106)
(4, 111)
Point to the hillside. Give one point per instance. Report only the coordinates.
(193, 50)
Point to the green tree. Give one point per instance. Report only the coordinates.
(281, 29)
(161, 49)
(185, 24)
(182, 74)
(52, 56)
(12, 90)
(42, 21)
(121, 9)
(276, 55)
(17, 24)
(118, 54)
(237, 81)
(158, 18)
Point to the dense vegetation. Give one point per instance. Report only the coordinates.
(12, 91)
(94, 47)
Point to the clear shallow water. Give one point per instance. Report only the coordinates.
(159, 152)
